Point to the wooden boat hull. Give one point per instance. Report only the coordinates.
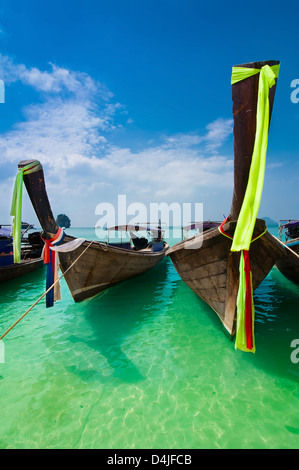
(293, 245)
(15, 270)
(103, 266)
(212, 271)
(289, 265)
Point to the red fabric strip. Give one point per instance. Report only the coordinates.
(48, 243)
(248, 298)
(221, 229)
(248, 303)
(31, 168)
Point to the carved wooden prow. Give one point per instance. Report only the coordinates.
(245, 96)
(36, 188)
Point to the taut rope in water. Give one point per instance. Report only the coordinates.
(51, 287)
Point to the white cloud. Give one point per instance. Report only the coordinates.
(57, 132)
(71, 131)
(68, 126)
(54, 81)
(218, 133)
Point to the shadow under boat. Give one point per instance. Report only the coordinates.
(276, 331)
(102, 265)
(205, 262)
(123, 313)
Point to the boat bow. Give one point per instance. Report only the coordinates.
(213, 270)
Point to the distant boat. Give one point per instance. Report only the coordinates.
(289, 265)
(205, 262)
(30, 254)
(26, 226)
(103, 264)
(198, 227)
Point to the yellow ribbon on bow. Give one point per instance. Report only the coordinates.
(249, 210)
(250, 206)
(16, 208)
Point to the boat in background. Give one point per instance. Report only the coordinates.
(290, 230)
(289, 235)
(135, 242)
(198, 227)
(102, 265)
(205, 262)
(31, 249)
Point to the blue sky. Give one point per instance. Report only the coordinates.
(134, 98)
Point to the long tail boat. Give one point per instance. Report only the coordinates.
(101, 265)
(205, 262)
(30, 255)
(289, 265)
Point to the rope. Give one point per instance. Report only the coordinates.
(51, 260)
(245, 305)
(220, 228)
(51, 287)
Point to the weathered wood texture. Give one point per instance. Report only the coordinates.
(15, 270)
(101, 266)
(212, 271)
(289, 265)
(291, 244)
(35, 185)
(244, 95)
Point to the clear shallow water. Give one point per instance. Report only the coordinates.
(146, 364)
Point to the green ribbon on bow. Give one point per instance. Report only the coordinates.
(250, 206)
(249, 210)
(16, 208)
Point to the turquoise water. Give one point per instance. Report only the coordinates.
(146, 364)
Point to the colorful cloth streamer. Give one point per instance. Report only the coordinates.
(245, 306)
(50, 261)
(16, 208)
(249, 210)
(69, 246)
(253, 194)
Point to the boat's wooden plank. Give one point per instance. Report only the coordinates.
(289, 265)
(15, 270)
(211, 270)
(96, 273)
